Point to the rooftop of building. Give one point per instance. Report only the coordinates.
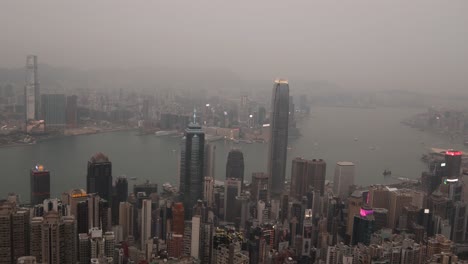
(345, 163)
(99, 158)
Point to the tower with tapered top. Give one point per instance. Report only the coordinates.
(191, 166)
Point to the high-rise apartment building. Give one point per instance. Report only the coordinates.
(145, 221)
(126, 219)
(279, 137)
(40, 184)
(191, 167)
(344, 178)
(14, 232)
(99, 177)
(307, 175)
(235, 165)
(57, 238)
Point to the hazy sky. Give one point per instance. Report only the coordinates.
(393, 44)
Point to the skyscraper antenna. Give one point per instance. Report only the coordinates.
(194, 115)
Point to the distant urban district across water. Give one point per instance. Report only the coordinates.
(374, 139)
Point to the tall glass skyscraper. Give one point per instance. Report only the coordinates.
(235, 165)
(191, 167)
(99, 177)
(279, 137)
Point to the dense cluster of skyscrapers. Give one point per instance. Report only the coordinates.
(305, 219)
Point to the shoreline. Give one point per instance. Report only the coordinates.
(64, 136)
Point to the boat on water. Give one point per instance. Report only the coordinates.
(162, 133)
(386, 173)
(133, 178)
(355, 139)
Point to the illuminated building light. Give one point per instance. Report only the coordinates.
(443, 164)
(426, 211)
(365, 212)
(452, 180)
(281, 81)
(452, 152)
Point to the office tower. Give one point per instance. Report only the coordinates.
(145, 222)
(307, 175)
(40, 184)
(126, 219)
(354, 206)
(259, 185)
(178, 218)
(208, 191)
(398, 200)
(147, 187)
(261, 116)
(210, 156)
(99, 177)
(175, 244)
(379, 197)
(72, 198)
(32, 90)
(235, 165)
(27, 260)
(187, 248)
(72, 111)
(279, 137)
(344, 178)
(121, 194)
(191, 166)
(232, 190)
(363, 226)
(453, 165)
(381, 218)
(458, 220)
(53, 110)
(82, 217)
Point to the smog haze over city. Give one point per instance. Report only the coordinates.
(240, 132)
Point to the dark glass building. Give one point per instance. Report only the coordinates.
(147, 187)
(39, 184)
(235, 165)
(120, 195)
(232, 189)
(453, 160)
(191, 167)
(54, 110)
(279, 137)
(363, 226)
(99, 178)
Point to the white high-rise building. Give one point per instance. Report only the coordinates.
(195, 244)
(344, 178)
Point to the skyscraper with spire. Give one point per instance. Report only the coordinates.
(191, 166)
(279, 137)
